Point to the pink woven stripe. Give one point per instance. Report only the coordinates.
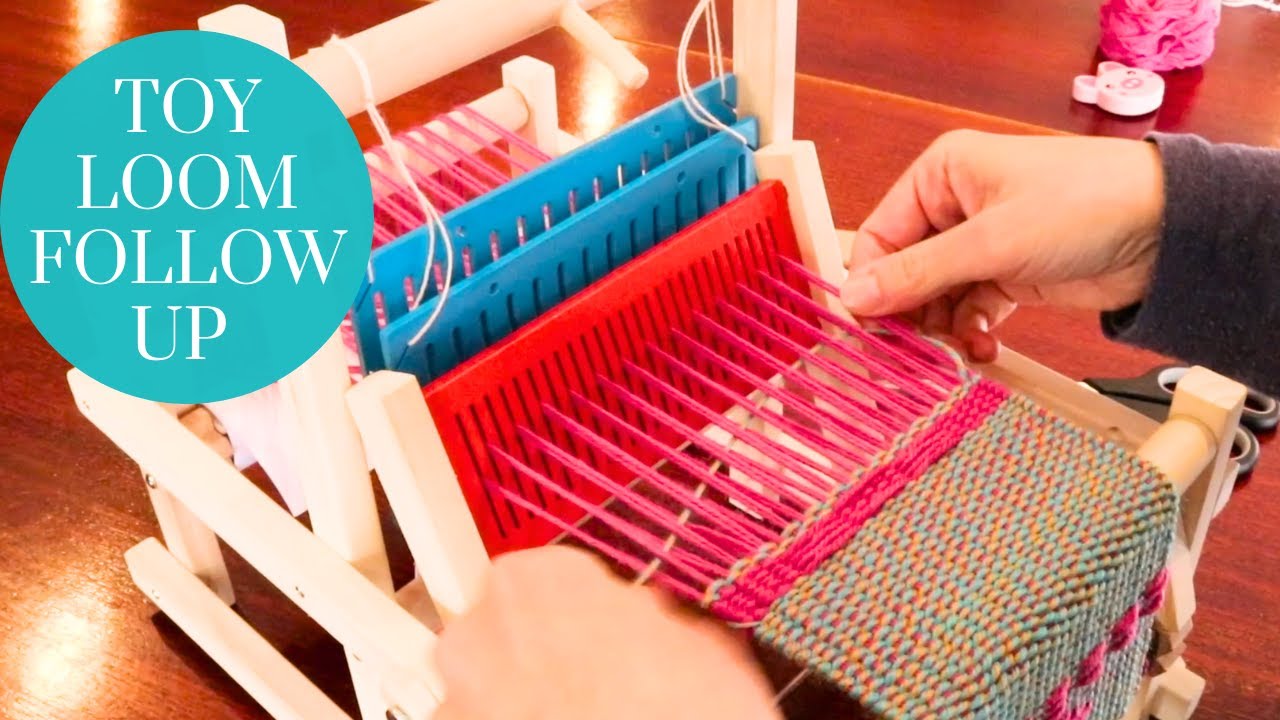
(1058, 706)
(748, 597)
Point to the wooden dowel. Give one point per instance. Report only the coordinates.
(428, 43)
(1182, 447)
(606, 48)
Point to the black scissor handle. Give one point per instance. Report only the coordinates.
(1245, 451)
(1261, 411)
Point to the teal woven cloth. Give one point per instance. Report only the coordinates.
(1014, 579)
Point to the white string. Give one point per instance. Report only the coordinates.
(656, 564)
(1264, 4)
(717, 54)
(787, 689)
(704, 9)
(434, 221)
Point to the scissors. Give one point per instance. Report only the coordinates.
(1152, 393)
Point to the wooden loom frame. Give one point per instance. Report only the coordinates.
(339, 573)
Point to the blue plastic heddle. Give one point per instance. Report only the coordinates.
(516, 215)
(508, 293)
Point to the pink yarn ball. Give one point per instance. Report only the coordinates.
(1159, 34)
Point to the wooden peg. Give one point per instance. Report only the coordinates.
(248, 23)
(604, 47)
(1175, 693)
(1141, 700)
(1217, 403)
(1182, 447)
(536, 83)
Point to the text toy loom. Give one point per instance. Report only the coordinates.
(635, 344)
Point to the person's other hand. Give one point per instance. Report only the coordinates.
(556, 636)
(981, 223)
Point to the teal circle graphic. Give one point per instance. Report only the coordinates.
(178, 231)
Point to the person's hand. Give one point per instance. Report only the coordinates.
(557, 636)
(982, 223)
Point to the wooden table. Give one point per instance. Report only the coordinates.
(76, 638)
(1014, 59)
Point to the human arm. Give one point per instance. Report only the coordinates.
(556, 635)
(983, 223)
(1214, 297)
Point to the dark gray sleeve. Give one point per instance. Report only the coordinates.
(1215, 295)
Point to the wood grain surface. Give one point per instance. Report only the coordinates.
(880, 80)
(1015, 59)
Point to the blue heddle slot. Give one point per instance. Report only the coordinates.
(529, 206)
(523, 284)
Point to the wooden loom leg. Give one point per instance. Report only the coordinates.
(416, 474)
(1193, 448)
(535, 80)
(336, 483)
(361, 616)
(1175, 693)
(764, 60)
(331, 461)
(190, 541)
(260, 669)
(795, 164)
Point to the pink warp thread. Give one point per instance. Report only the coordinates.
(1159, 34)
(748, 597)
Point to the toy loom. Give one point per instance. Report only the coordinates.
(894, 455)
(643, 353)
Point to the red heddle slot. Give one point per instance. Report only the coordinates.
(633, 346)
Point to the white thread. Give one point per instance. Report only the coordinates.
(1264, 4)
(704, 9)
(434, 221)
(656, 563)
(796, 682)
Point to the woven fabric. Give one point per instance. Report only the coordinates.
(1110, 698)
(756, 583)
(1011, 580)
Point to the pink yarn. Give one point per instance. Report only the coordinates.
(1126, 630)
(1159, 34)
(1058, 706)
(1095, 663)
